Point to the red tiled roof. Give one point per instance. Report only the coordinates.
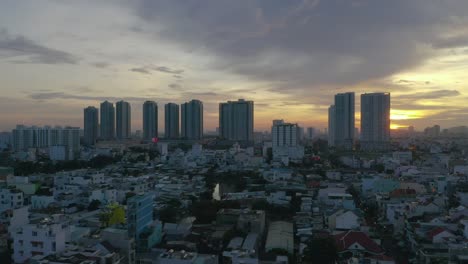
(402, 192)
(313, 184)
(434, 232)
(347, 239)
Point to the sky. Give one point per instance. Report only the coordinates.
(289, 57)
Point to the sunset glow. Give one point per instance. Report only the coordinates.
(142, 50)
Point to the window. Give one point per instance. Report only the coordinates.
(20, 242)
(34, 233)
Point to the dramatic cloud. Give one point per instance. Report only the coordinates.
(147, 69)
(18, 47)
(62, 95)
(290, 57)
(100, 64)
(141, 70)
(175, 86)
(167, 70)
(300, 42)
(439, 94)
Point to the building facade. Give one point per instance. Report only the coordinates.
(91, 125)
(150, 120)
(375, 121)
(192, 120)
(236, 120)
(40, 239)
(139, 214)
(107, 121)
(123, 120)
(68, 138)
(331, 126)
(285, 140)
(171, 121)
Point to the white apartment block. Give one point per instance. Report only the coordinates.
(286, 137)
(40, 239)
(10, 199)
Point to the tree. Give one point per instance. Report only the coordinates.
(168, 214)
(118, 214)
(321, 250)
(379, 168)
(113, 214)
(94, 205)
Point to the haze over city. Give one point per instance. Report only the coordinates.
(290, 57)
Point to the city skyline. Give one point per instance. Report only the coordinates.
(282, 55)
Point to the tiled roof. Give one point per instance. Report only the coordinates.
(346, 239)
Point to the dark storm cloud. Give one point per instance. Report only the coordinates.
(298, 44)
(14, 46)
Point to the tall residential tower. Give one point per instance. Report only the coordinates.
(192, 120)
(150, 120)
(375, 121)
(331, 126)
(236, 120)
(171, 121)
(107, 121)
(123, 120)
(344, 120)
(91, 124)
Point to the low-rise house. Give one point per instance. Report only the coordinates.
(357, 243)
(280, 236)
(343, 220)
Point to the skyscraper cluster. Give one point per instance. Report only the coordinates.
(236, 121)
(184, 122)
(375, 121)
(116, 121)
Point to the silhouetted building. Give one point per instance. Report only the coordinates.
(123, 118)
(107, 121)
(433, 131)
(236, 120)
(171, 121)
(91, 124)
(310, 133)
(192, 119)
(150, 120)
(375, 121)
(331, 126)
